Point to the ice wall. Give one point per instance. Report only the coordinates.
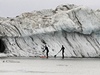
(75, 27)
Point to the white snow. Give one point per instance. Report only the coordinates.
(3, 55)
(51, 66)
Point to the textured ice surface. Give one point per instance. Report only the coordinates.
(75, 27)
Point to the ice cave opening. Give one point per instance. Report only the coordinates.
(2, 46)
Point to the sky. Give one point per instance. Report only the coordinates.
(12, 8)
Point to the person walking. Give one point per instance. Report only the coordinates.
(47, 51)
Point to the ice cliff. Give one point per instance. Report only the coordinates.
(75, 27)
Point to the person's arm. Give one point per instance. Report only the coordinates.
(43, 50)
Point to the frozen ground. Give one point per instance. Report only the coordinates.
(51, 66)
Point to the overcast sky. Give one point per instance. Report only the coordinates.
(12, 8)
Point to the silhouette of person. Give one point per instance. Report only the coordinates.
(62, 49)
(47, 51)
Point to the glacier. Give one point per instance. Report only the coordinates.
(75, 27)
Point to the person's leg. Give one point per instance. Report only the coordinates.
(47, 54)
(62, 55)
